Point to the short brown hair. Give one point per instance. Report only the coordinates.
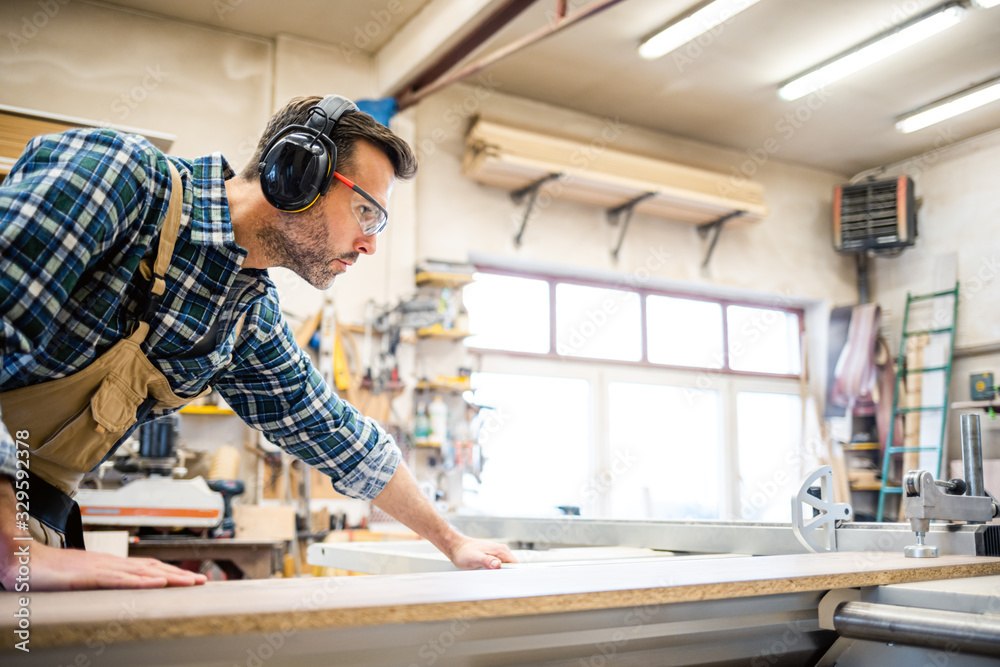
(349, 129)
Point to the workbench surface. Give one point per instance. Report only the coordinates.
(236, 607)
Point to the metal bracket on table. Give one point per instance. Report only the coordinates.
(623, 214)
(819, 533)
(531, 192)
(715, 225)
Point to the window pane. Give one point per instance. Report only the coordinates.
(762, 340)
(533, 463)
(769, 432)
(508, 313)
(684, 332)
(598, 323)
(664, 460)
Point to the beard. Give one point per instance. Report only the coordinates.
(301, 242)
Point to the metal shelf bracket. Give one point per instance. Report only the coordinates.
(623, 214)
(715, 225)
(531, 192)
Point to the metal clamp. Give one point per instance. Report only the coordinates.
(819, 532)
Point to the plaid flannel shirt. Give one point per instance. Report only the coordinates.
(77, 213)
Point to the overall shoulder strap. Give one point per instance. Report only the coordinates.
(168, 236)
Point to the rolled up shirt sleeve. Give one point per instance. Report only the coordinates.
(273, 385)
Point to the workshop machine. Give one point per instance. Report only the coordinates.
(142, 485)
(886, 624)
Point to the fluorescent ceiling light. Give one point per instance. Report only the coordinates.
(949, 107)
(701, 20)
(985, 4)
(872, 51)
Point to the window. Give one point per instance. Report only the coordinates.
(763, 340)
(665, 452)
(639, 326)
(598, 323)
(769, 432)
(667, 406)
(684, 332)
(536, 458)
(508, 313)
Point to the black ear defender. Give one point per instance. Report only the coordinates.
(297, 166)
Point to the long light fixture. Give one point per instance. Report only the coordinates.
(694, 23)
(951, 106)
(870, 52)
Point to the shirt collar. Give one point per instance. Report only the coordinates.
(210, 221)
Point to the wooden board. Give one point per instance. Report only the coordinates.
(227, 608)
(512, 158)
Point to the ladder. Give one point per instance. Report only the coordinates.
(885, 489)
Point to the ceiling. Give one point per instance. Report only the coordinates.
(721, 91)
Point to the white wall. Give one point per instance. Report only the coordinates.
(209, 88)
(958, 225)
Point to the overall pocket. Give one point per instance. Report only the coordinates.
(83, 440)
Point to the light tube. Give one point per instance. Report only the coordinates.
(872, 51)
(950, 107)
(694, 25)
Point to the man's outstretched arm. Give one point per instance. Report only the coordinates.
(403, 500)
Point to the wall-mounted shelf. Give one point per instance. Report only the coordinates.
(206, 410)
(528, 164)
(437, 331)
(442, 279)
(444, 387)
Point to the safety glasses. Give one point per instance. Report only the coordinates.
(370, 214)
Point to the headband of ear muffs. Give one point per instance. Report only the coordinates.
(297, 166)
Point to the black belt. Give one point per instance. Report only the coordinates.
(56, 510)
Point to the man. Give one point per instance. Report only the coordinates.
(130, 282)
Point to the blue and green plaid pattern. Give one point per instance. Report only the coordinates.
(77, 213)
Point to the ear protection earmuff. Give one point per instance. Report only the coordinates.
(297, 166)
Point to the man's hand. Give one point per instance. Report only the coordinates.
(52, 569)
(72, 569)
(472, 554)
(402, 499)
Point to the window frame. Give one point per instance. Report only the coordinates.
(643, 292)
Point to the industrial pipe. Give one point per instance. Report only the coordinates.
(977, 634)
(972, 454)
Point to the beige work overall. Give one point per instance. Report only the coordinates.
(73, 422)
